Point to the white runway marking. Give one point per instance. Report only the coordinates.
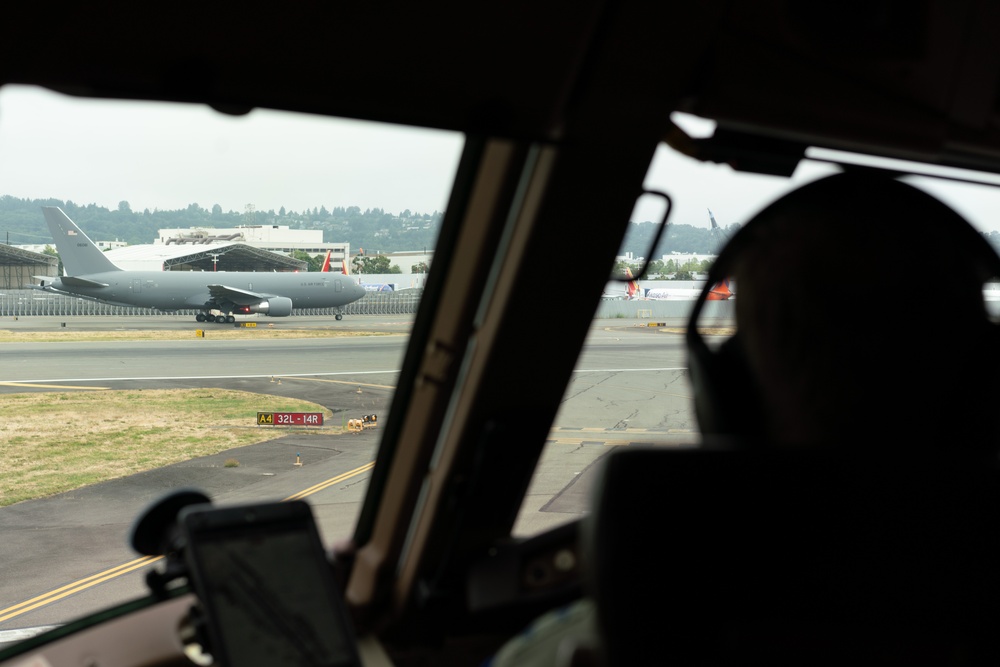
(10, 636)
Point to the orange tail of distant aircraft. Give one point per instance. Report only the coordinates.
(720, 291)
(326, 262)
(632, 290)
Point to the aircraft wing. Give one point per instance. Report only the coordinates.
(240, 297)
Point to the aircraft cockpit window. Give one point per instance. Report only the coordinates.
(973, 195)
(648, 235)
(631, 385)
(223, 362)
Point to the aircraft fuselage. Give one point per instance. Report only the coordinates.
(185, 290)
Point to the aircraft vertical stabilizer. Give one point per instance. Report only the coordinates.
(720, 291)
(632, 291)
(78, 253)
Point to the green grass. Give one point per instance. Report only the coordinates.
(55, 442)
(229, 333)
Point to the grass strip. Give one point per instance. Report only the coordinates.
(55, 442)
(230, 333)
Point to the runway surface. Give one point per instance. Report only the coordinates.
(67, 555)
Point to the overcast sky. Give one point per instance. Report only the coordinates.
(169, 156)
(735, 197)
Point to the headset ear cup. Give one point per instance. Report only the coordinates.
(702, 372)
(709, 372)
(725, 396)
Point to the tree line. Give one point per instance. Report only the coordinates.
(374, 230)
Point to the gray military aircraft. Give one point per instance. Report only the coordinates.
(219, 296)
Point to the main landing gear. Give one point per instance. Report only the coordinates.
(221, 319)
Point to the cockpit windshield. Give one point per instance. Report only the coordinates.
(121, 385)
(631, 384)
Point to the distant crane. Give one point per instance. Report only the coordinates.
(721, 238)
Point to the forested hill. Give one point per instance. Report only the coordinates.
(21, 222)
(375, 230)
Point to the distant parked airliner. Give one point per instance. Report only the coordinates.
(219, 296)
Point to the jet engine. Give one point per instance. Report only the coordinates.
(278, 306)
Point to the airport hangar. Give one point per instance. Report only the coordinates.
(231, 256)
(249, 248)
(18, 265)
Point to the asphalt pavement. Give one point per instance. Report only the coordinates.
(79, 539)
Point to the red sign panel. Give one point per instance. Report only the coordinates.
(290, 418)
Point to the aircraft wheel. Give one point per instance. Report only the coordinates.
(200, 317)
(230, 319)
(210, 318)
(339, 317)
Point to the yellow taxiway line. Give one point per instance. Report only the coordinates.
(330, 482)
(51, 386)
(352, 384)
(75, 587)
(125, 568)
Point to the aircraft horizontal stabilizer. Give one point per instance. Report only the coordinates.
(73, 281)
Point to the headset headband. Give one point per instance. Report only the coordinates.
(987, 261)
(718, 374)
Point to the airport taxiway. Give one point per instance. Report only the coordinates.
(629, 387)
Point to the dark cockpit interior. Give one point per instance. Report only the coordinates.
(760, 557)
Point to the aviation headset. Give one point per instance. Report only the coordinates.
(725, 390)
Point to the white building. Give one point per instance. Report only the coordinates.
(406, 260)
(40, 247)
(276, 238)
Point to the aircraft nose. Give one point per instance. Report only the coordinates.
(358, 291)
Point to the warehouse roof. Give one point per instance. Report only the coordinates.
(220, 257)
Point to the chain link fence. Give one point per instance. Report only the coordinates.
(24, 303)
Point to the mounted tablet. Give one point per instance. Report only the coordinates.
(267, 589)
